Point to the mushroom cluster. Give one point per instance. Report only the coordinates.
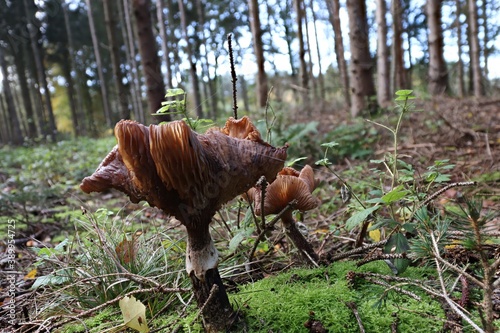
(189, 176)
(289, 186)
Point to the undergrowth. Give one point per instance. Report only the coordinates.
(408, 262)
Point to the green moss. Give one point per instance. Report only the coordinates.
(283, 303)
(99, 322)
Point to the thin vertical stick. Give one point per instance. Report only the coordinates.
(233, 75)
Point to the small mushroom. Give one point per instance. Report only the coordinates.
(290, 185)
(189, 175)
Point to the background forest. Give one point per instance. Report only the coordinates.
(391, 115)
(76, 67)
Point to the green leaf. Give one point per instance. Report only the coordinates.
(399, 244)
(61, 277)
(174, 92)
(358, 218)
(238, 238)
(396, 194)
(403, 92)
(374, 201)
(323, 162)
(330, 144)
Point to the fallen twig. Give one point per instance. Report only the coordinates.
(354, 309)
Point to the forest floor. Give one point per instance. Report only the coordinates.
(40, 199)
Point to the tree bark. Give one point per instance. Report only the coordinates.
(80, 128)
(4, 120)
(460, 63)
(262, 89)
(321, 81)
(70, 89)
(362, 85)
(134, 70)
(383, 85)
(115, 59)
(475, 49)
(334, 15)
(149, 56)
(398, 67)
(25, 92)
(16, 136)
(97, 53)
(304, 75)
(41, 75)
(287, 25)
(160, 7)
(438, 74)
(192, 68)
(210, 95)
(486, 38)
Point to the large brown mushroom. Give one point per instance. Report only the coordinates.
(189, 175)
(289, 186)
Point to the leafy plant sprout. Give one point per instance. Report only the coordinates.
(404, 106)
(177, 105)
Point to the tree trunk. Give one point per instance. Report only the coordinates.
(4, 120)
(192, 68)
(160, 7)
(16, 136)
(475, 49)
(288, 34)
(211, 95)
(486, 37)
(398, 67)
(81, 125)
(334, 15)
(438, 74)
(383, 85)
(70, 88)
(149, 57)
(244, 92)
(128, 37)
(41, 76)
(97, 53)
(115, 59)
(262, 89)
(321, 80)
(309, 65)
(25, 92)
(362, 86)
(304, 76)
(460, 63)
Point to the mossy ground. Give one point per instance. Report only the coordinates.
(282, 303)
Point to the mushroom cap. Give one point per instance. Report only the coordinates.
(289, 185)
(242, 128)
(186, 174)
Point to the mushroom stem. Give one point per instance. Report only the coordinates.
(201, 254)
(298, 239)
(211, 297)
(208, 289)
